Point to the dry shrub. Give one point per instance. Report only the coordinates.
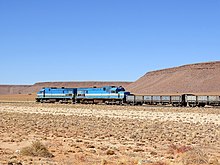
(195, 156)
(110, 152)
(127, 162)
(214, 161)
(183, 149)
(80, 158)
(36, 149)
(159, 163)
(104, 162)
(178, 149)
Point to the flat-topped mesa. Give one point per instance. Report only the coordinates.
(82, 83)
(192, 78)
(197, 66)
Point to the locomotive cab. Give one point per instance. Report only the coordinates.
(40, 95)
(117, 89)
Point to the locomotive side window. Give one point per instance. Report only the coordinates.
(81, 94)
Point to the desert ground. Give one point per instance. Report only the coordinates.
(65, 134)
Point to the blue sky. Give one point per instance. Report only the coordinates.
(118, 40)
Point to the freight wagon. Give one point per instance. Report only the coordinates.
(174, 100)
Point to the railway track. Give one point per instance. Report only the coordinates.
(145, 105)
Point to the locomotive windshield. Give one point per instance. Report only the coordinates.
(120, 89)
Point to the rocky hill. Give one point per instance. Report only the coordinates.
(193, 78)
(27, 89)
(13, 89)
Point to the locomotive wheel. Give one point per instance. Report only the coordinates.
(192, 105)
(174, 105)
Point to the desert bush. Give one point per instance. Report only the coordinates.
(110, 152)
(178, 149)
(36, 149)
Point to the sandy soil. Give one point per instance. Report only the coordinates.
(18, 97)
(99, 134)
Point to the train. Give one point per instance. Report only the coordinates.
(118, 95)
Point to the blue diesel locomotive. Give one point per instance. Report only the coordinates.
(54, 94)
(106, 94)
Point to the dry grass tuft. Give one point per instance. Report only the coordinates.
(195, 156)
(104, 162)
(36, 149)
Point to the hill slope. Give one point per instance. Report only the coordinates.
(193, 78)
(13, 89)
